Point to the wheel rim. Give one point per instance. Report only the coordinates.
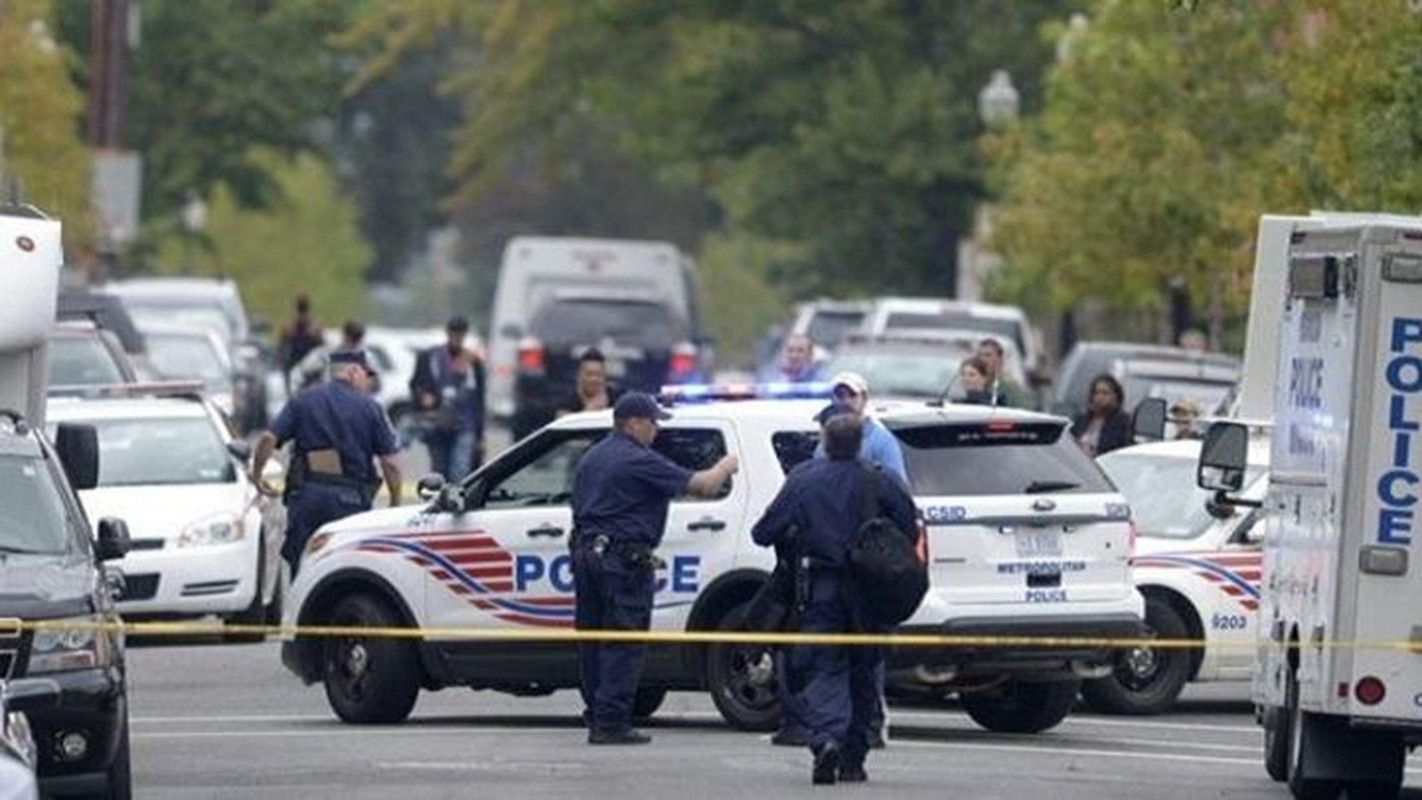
(1140, 669)
(349, 663)
(750, 677)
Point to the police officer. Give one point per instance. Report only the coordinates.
(338, 429)
(821, 502)
(620, 497)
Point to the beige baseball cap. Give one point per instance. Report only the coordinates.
(852, 381)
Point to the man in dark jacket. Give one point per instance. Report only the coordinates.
(448, 390)
(822, 500)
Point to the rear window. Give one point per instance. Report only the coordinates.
(588, 322)
(78, 361)
(828, 328)
(997, 459)
(1005, 328)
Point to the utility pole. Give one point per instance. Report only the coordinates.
(117, 172)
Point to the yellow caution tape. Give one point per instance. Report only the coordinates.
(13, 627)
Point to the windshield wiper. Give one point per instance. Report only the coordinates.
(1037, 487)
(20, 551)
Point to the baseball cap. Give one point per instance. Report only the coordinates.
(832, 410)
(852, 381)
(638, 405)
(350, 356)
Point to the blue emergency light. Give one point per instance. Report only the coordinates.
(710, 393)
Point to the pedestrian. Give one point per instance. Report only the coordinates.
(620, 496)
(1002, 389)
(448, 388)
(879, 448)
(1104, 426)
(973, 377)
(821, 503)
(796, 363)
(592, 393)
(338, 432)
(299, 336)
(313, 369)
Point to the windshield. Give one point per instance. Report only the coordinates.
(32, 512)
(957, 320)
(908, 375)
(1165, 502)
(211, 318)
(81, 361)
(587, 322)
(1205, 396)
(828, 328)
(188, 357)
(997, 459)
(146, 452)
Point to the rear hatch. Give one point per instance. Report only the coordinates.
(637, 337)
(1016, 513)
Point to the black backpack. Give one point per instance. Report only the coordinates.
(886, 563)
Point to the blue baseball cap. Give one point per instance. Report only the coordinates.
(831, 411)
(638, 405)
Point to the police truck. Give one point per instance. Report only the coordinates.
(1339, 681)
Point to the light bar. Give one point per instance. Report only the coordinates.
(710, 393)
(136, 389)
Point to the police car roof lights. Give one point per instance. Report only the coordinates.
(110, 391)
(709, 393)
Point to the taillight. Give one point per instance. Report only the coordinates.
(683, 360)
(1370, 691)
(530, 355)
(922, 543)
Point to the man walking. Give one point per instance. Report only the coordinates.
(620, 497)
(821, 502)
(448, 390)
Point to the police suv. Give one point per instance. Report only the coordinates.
(1026, 536)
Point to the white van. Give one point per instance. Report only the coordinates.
(634, 300)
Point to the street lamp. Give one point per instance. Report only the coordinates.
(194, 217)
(999, 102)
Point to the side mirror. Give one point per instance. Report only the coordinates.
(114, 542)
(28, 695)
(240, 450)
(430, 486)
(78, 449)
(1223, 457)
(1148, 421)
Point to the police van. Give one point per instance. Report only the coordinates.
(1027, 537)
(1337, 685)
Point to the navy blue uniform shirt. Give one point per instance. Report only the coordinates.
(335, 415)
(822, 500)
(622, 489)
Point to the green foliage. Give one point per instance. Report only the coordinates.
(307, 241)
(41, 113)
(739, 297)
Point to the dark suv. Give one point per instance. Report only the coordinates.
(51, 572)
(647, 345)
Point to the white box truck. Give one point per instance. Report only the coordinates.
(1339, 681)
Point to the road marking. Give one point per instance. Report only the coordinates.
(1074, 751)
(1086, 721)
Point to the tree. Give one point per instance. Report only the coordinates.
(41, 113)
(306, 242)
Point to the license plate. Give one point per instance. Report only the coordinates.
(1038, 544)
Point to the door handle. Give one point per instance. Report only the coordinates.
(706, 524)
(551, 531)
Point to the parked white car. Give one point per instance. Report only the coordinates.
(1198, 565)
(204, 540)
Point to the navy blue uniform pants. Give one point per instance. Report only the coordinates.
(312, 506)
(611, 594)
(841, 690)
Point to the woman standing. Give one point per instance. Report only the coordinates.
(1104, 426)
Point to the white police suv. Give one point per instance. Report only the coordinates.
(1026, 536)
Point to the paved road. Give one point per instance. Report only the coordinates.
(214, 721)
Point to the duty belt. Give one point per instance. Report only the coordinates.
(638, 555)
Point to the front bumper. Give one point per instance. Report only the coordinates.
(218, 579)
(1017, 656)
(93, 703)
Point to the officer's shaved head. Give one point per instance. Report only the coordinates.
(354, 374)
(843, 434)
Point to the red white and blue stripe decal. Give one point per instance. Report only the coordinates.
(1236, 574)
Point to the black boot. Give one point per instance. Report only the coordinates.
(826, 764)
(617, 736)
(851, 769)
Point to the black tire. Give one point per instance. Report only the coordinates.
(1276, 744)
(1300, 724)
(1021, 707)
(1146, 680)
(369, 680)
(647, 701)
(741, 678)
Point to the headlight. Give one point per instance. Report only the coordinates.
(220, 530)
(70, 644)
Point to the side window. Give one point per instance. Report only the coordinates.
(693, 448)
(545, 478)
(793, 448)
